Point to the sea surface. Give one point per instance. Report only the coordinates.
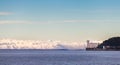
(59, 57)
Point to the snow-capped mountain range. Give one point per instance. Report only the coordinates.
(39, 44)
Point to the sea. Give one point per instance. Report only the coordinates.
(58, 57)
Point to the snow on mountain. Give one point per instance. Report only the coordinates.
(38, 44)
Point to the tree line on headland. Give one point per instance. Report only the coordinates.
(112, 43)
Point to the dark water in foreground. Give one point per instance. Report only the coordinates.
(36, 57)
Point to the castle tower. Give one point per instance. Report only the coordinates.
(88, 41)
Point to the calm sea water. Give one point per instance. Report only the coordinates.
(59, 57)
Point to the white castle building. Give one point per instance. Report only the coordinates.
(92, 44)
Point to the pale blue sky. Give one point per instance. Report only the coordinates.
(70, 20)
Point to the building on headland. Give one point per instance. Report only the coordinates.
(92, 45)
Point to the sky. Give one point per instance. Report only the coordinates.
(66, 20)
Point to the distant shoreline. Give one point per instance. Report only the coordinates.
(47, 49)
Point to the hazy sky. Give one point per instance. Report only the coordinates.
(70, 20)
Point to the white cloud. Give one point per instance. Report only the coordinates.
(6, 13)
(28, 22)
(14, 22)
(52, 22)
(100, 11)
(70, 21)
